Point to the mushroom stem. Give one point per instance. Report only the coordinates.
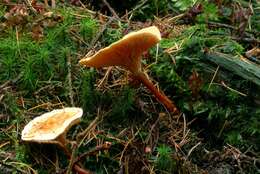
(62, 139)
(157, 93)
(63, 142)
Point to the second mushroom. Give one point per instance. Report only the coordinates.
(127, 53)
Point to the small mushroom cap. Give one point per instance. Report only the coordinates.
(126, 52)
(47, 127)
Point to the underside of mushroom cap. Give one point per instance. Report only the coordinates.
(127, 51)
(47, 127)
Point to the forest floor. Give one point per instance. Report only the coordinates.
(207, 63)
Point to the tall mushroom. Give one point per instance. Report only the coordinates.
(127, 53)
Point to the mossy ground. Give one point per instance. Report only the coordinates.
(39, 71)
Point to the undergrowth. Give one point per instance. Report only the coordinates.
(39, 56)
(209, 106)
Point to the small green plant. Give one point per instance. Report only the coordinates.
(114, 34)
(184, 4)
(88, 28)
(210, 12)
(164, 162)
(88, 93)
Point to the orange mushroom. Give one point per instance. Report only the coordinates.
(127, 53)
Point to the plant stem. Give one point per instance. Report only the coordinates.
(157, 93)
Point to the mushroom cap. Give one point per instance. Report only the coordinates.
(47, 127)
(126, 52)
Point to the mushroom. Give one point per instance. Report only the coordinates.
(52, 127)
(127, 53)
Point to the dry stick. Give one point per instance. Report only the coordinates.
(12, 165)
(184, 126)
(69, 80)
(78, 37)
(75, 166)
(233, 90)
(8, 82)
(53, 4)
(222, 129)
(48, 104)
(81, 136)
(62, 142)
(29, 4)
(213, 78)
(105, 77)
(46, 3)
(104, 27)
(215, 24)
(245, 39)
(104, 146)
(95, 14)
(126, 145)
(154, 141)
(151, 129)
(136, 8)
(95, 39)
(71, 158)
(17, 40)
(79, 140)
(158, 94)
(80, 170)
(193, 149)
(111, 9)
(4, 144)
(175, 18)
(183, 141)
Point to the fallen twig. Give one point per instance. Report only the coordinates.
(111, 9)
(95, 39)
(74, 146)
(222, 25)
(237, 65)
(104, 146)
(215, 73)
(29, 4)
(81, 136)
(69, 80)
(193, 149)
(233, 90)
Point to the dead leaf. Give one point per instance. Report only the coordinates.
(37, 32)
(195, 83)
(16, 15)
(255, 52)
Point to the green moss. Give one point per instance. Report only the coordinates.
(123, 105)
(89, 96)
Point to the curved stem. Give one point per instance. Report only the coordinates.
(157, 93)
(63, 142)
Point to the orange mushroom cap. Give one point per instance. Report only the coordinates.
(126, 52)
(49, 126)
